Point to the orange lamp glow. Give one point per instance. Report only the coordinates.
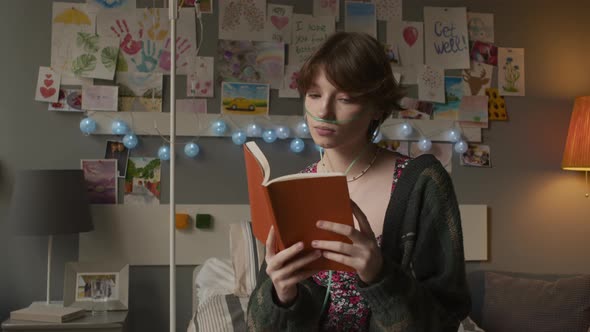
(576, 155)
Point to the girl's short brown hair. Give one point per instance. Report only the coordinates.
(357, 64)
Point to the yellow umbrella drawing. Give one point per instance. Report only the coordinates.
(72, 16)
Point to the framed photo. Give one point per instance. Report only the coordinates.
(83, 279)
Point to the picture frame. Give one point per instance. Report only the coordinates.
(79, 276)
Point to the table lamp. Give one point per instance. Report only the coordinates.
(576, 155)
(49, 202)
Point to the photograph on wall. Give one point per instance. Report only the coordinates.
(415, 109)
(251, 62)
(140, 92)
(47, 85)
(511, 71)
(142, 181)
(97, 285)
(244, 98)
(496, 106)
(199, 81)
(484, 53)
(453, 95)
(477, 155)
(442, 151)
(480, 26)
(477, 79)
(446, 41)
(279, 23)
(360, 17)
(242, 20)
(117, 150)
(69, 100)
(431, 83)
(308, 34)
(100, 176)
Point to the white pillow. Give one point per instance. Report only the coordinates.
(247, 256)
(216, 277)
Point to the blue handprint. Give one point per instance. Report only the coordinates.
(148, 60)
(110, 3)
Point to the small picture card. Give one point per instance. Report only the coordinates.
(496, 105)
(289, 89)
(473, 111)
(477, 155)
(481, 27)
(142, 183)
(360, 17)
(278, 23)
(244, 98)
(47, 85)
(431, 84)
(449, 109)
(477, 79)
(199, 81)
(484, 53)
(117, 150)
(446, 42)
(101, 180)
(511, 71)
(70, 100)
(415, 109)
(100, 98)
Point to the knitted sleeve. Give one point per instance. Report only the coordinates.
(424, 288)
(265, 315)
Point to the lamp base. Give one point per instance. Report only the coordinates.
(45, 304)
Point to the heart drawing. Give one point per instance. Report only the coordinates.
(48, 83)
(279, 22)
(410, 35)
(46, 93)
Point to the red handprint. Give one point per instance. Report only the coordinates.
(128, 44)
(165, 55)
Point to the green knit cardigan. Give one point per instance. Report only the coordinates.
(422, 286)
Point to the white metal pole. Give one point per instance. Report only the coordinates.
(173, 14)
(49, 248)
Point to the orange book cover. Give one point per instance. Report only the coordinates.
(294, 203)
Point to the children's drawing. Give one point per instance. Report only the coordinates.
(453, 95)
(477, 155)
(389, 10)
(117, 150)
(473, 111)
(327, 8)
(95, 56)
(411, 42)
(47, 85)
(289, 89)
(496, 105)
(477, 79)
(481, 27)
(511, 71)
(442, 151)
(194, 105)
(360, 17)
(415, 109)
(99, 98)
(70, 100)
(431, 84)
(251, 62)
(142, 181)
(205, 6)
(308, 34)
(100, 176)
(67, 20)
(140, 92)
(124, 26)
(278, 23)
(484, 53)
(94, 5)
(244, 98)
(199, 81)
(242, 19)
(446, 37)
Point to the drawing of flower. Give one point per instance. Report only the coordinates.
(511, 75)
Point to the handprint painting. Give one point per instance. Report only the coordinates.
(110, 4)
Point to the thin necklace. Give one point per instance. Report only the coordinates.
(361, 173)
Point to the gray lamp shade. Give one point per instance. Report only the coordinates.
(47, 202)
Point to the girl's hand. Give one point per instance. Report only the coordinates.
(284, 270)
(363, 255)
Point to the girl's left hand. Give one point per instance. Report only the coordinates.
(363, 255)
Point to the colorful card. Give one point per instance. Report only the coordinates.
(484, 53)
(289, 89)
(140, 92)
(453, 95)
(47, 85)
(199, 81)
(278, 23)
(244, 98)
(242, 20)
(117, 150)
(95, 56)
(477, 155)
(481, 27)
(70, 100)
(496, 106)
(446, 37)
(411, 42)
(415, 109)
(251, 62)
(360, 17)
(477, 79)
(431, 84)
(473, 111)
(99, 98)
(511, 71)
(100, 176)
(142, 182)
(308, 34)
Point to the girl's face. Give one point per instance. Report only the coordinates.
(335, 119)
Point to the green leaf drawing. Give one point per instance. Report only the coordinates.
(83, 64)
(87, 41)
(121, 63)
(108, 57)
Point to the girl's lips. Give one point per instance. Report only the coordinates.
(324, 131)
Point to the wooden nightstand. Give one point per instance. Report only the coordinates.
(111, 321)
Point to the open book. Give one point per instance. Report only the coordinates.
(294, 203)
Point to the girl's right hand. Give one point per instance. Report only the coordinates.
(285, 271)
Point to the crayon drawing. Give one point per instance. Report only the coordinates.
(244, 98)
(101, 180)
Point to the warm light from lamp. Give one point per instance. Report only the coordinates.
(576, 155)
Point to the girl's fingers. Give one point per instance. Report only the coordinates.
(270, 244)
(341, 229)
(362, 219)
(295, 266)
(335, 246)
(339, 258)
